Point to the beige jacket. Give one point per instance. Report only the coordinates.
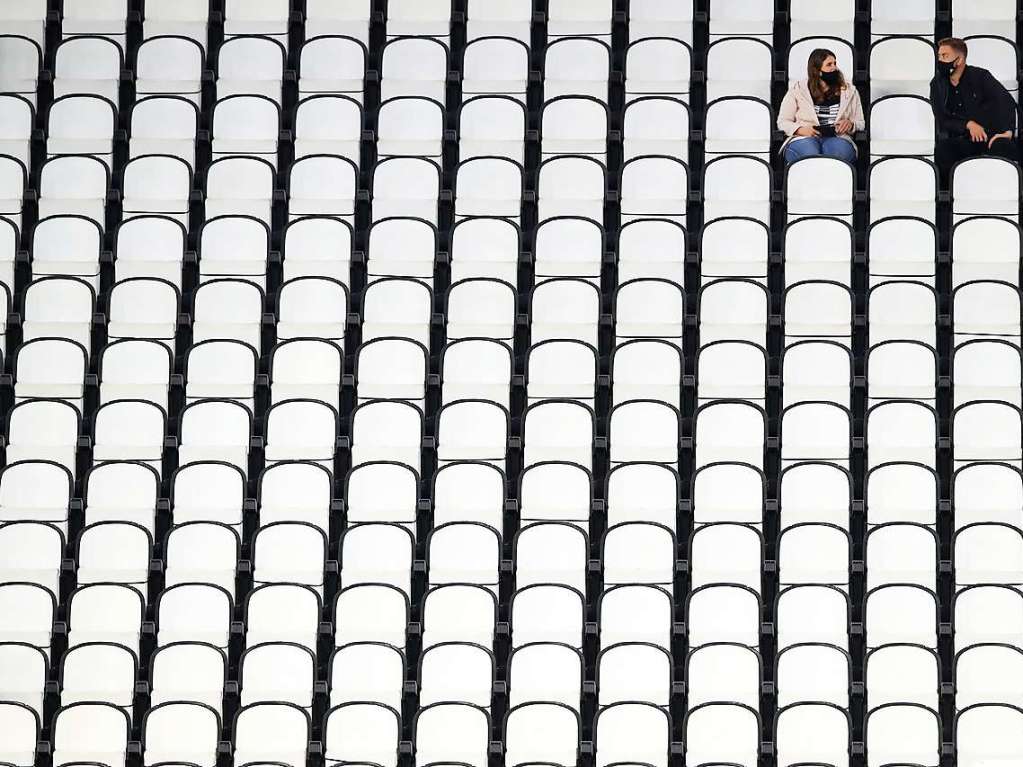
(797, 110)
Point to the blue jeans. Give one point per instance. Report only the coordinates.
(810, 146)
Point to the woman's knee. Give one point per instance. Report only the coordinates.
(802, 147)
(840, 149)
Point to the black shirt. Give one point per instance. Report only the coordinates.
(977, 96)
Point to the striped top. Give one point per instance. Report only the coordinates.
(827, 110)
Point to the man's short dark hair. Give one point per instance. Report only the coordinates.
(956, 44)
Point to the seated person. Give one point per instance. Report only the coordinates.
(820, 114)
(973, 113)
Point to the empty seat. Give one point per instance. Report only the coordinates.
(733, 310)
(182, 731)
(818, 249)
(32, 552)
(901, 125)
(915, 18)
(239, 186)
(809, 672)
(387, 430)
(392, 368)
(414, 66)
(59, 307)
(324, 18)
(150, 246)
(478, 368)
(987, 431)
(632, 731)
(649, 308)
(550, 552)
(986, 731)
(571, 186)
(371, 612)
(739, 66)
(245, 125)
(737, 125)
(542, 731)
(902, 311)
(101, 673)
(654, 187)
(447, 732)
(987, 673)
(224, 369)
(820, 186)
(574, 125)
(24, 670)
(807, 732)
(576, 66)
(545, 672)
(250, 61)
(723, 671)
(106, 612)
(318, 246)
(734, 247)
(202, 552)
(985, 186)
(368, 672)
(558, 430)
(984, 247)
(282, 612)
(986, 309)
(74, 185)
(657, 66)
(361, 732)
(568, 18)
(172, 66)
(903, 186)
(728, 492)
(401, 247)
(406, 186)
(410, 126)
(169, 18)
(91, 730)
(902, 248)
(129, 430)
(507, 19)
(51, 368)
(300, 430)
(488, 186)
(136, 369)
(652, 248)
(810, 19)
(902, 674)
(737, 186)
(88, 64)
(900, 66)
(28, 19)
(331, 64)
(902, 732)
(17, 116)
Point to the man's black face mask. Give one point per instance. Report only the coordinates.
(946, 68)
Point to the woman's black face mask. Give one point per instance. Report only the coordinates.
(832, 78)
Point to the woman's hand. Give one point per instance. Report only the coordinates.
(844, 126)
(807, 130)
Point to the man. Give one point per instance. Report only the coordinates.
(974, 114)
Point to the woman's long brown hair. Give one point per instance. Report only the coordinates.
(818, 90)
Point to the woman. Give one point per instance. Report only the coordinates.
(820, 114)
